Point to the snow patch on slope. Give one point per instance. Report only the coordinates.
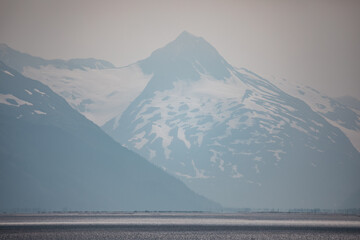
(182, 137)
(11, 100)
(8, 73)
(39, 112)
(38, 91)
(162, 132)
(353, 135)
(28, 92)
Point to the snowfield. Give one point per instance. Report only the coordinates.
(99, 94)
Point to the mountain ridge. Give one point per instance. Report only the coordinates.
(19, 60)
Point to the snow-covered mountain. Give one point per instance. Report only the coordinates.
(96, 88)
(53, 158)
(233, 136)
(343, 112)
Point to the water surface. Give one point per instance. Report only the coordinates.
(179, 226)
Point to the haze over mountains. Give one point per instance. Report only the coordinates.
(53, 159)
(226, 132)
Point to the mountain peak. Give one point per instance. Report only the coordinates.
(187, 43)
(186, 47)
(186, 33)
(186, 36)
(186, 57)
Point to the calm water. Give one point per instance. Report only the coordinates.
(179, 226)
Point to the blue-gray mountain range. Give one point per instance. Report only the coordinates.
(52, 158)
(226, 132)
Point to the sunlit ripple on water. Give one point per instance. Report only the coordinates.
(188, 221)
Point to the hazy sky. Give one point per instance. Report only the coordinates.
(314, 42)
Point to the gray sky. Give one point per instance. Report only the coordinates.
(316, 42)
